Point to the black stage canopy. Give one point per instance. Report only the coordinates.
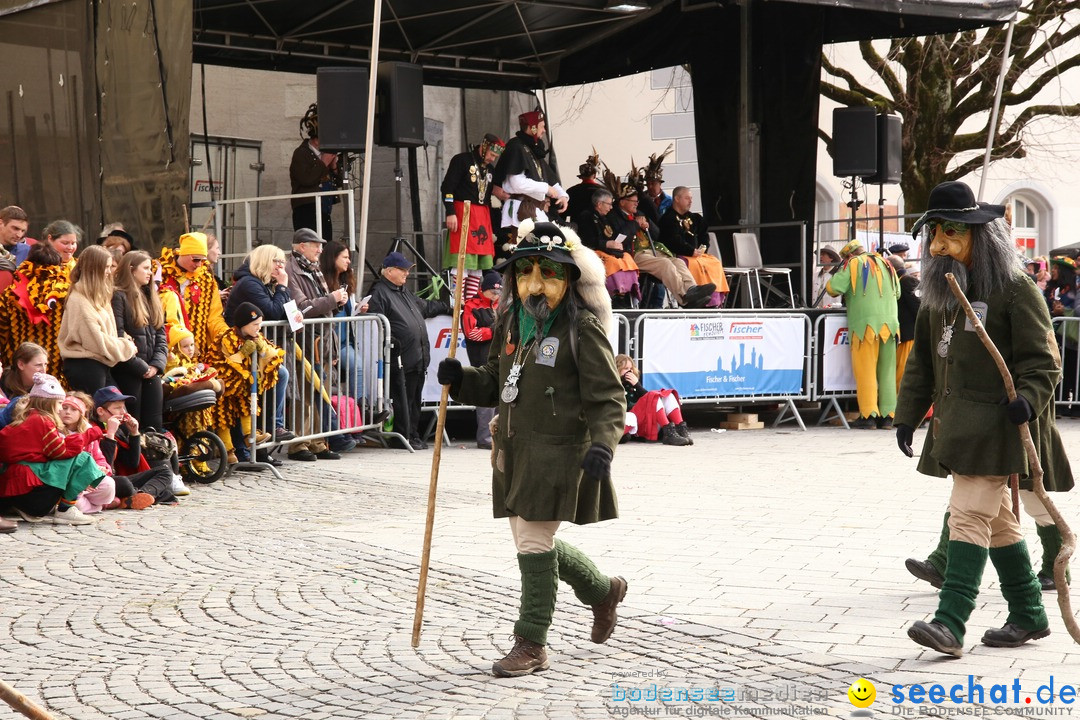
(527, 44)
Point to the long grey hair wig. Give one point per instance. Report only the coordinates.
(994, 264)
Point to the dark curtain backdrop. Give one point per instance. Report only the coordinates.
(94, 105)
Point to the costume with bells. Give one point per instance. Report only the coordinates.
(191, 299)
(31, 308)
(871, 290)
(973, 434)
(234, 356)
(560, 418)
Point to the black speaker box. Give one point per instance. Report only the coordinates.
(401, 105)
(889, 150)
(342, 95)
(854, 141)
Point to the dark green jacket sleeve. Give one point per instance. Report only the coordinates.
(601, 389)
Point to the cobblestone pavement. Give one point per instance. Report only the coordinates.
(764, 566)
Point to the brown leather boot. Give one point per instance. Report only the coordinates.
(526, 658)
(604, 617)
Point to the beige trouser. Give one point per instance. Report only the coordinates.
(1033, 506)
(533, 536)
(981, 511)
(671, 271)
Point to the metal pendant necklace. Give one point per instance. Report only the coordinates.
(510, 388)
(946, 334)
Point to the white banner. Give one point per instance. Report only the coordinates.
(438, 330)
(724, 357)
(836, 374)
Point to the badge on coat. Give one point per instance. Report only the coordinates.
(547, 352)
(980, 312)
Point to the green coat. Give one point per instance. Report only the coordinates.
(970, 432)
(559, 412)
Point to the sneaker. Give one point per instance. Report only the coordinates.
(283, 435)
(29, 518)
(178, 487)
(139, 501)
(71, 516)
(342, 444)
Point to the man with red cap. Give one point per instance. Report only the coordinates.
(526, 176)
(469, 178)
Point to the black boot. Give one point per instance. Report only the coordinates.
(1050, 537)
(1021, 590)
(956, 600)
(670, 436)
(932, 570)
(684, 432)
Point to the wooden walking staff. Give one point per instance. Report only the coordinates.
(1068, 543)
(455, 324)
(20, 702)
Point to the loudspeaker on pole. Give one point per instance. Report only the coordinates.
(854, 141)
(342, 96)
(889, 151)
(400, 105)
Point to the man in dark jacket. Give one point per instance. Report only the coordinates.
(973, 434)
(308, 288)
(410, 350)
(552, 374)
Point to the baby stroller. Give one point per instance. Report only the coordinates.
(202, 455)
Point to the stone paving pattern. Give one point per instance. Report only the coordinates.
(765, 561)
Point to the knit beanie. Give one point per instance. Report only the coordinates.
(46, 386)
(193, 243)
(245, 313)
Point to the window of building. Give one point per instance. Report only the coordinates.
(1025, 226)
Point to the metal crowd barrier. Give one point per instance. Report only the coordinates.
(1067, 330)
(818, 345)
(790, 413)
(338, 381)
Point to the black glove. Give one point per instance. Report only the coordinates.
(449, 372)
(904, 436)
(1019, 410)
(597, 462)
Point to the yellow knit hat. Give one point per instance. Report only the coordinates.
(178, 333)
(193, 243)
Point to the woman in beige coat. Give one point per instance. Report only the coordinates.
(88, 340)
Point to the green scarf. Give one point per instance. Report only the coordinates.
(527, 324)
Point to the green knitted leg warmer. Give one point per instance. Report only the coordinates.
(939, 557)
(1019, 586)
(963, 575)
(589, 584)
(539, 583)
(1050, 537)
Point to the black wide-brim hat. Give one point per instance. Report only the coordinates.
(543, 239)
(954, 202)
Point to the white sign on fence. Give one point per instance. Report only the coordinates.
(438, 330)
(836, 374)
(724, 356)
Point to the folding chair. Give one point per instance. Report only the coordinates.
(738, 277)
(748, 255)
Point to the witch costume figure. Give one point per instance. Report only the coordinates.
(552, 375)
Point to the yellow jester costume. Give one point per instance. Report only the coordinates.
(31, 308)
(870, 289)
